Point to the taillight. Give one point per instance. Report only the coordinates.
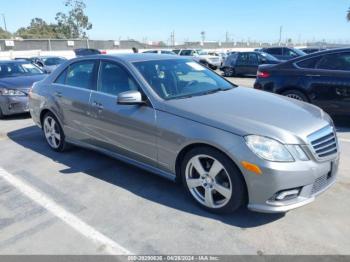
(263, 74)
(103, 52)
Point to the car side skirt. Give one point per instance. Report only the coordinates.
(157, 171)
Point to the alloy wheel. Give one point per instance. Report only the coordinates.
(208, 181)
(295, 96)
(52, 132)
(228, 72)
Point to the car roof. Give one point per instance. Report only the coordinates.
(131, 58)
(19, 61)
(324, 52)
(312, 55)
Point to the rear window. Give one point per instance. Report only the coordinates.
(80, 74)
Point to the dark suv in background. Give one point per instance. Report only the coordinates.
(246, 63)
(322, 78)
(283, 53)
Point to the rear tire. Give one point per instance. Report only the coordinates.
(229, 72)
(53, 133)
(295, 94)
(212, 180)
(1, 114)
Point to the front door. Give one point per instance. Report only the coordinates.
(129, 130)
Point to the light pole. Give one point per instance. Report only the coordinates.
(280, 39)
(4, 20)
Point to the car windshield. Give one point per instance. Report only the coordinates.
(51, 61)
(268, 56)
(180, 78)
(18, 69)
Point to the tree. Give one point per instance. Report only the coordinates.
(39, 29)
(348, 15)
(76, 22)
(4, 34)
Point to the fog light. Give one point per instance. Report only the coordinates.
(287, 195)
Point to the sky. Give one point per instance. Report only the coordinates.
(152, 20)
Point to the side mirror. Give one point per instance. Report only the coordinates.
(130, 98)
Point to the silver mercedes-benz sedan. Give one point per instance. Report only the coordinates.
(229, 146)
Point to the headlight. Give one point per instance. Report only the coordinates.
(10, 92)
(268, 149)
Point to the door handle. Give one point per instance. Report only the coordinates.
(58, 94)
(97, 105)
(313, 75)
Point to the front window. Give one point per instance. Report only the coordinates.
(172, 79)
(187, 53)
(18, 69)
(113, 79)
(335, 62)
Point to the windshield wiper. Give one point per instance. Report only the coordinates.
(202, 93)
(214, 91)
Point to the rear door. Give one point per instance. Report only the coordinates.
(331, 83)
(128, 130)
(72, 94)
(247, 64)
(242, 64)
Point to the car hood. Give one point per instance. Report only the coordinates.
(20, 82)
(245, 111)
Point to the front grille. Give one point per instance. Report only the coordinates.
(321, 183)
(324, 143)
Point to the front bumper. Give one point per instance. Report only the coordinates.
(11, 105)
(216, 64)
(311, 179)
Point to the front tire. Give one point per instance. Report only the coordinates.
(212, 180)
(1, 114)
(53, 133)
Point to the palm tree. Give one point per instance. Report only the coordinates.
(348, 15)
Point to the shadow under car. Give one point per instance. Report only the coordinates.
(141, 183)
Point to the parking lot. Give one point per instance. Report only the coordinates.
(82, 202)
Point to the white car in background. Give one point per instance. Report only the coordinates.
(203, 57)
(221, 55)
(162, 52)
(48, 63)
